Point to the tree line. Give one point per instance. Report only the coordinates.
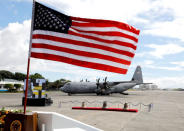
(21, 77)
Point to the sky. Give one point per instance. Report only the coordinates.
(160, 50)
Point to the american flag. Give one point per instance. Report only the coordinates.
(93, 43)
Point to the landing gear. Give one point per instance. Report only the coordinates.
(69, 94)
(103, 94)
(103, 88)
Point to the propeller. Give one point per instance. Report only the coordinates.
(105, 83)
(102, 87)
(97, 82)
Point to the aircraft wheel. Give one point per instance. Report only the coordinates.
(69, 94)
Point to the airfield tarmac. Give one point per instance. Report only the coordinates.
(167, 113)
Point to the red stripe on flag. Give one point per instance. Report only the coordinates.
(81, 43)
(97, 66)
(92, 24)
(81, 53)
(109, 33)
(120, 25)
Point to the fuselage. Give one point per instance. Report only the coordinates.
(91, 87)
(79, 87)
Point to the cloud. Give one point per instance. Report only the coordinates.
(171, 29)
(178, 63)
(14, 41)
(120, 10)
(176, 68)
(172, 26)
(167, 82)
(150, 64)
(159, 51)
(144, 63)
(175, 5)
(165, 49)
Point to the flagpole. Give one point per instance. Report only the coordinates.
(28, 63)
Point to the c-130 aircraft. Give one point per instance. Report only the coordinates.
(104, 88)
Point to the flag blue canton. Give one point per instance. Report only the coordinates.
(50, 20)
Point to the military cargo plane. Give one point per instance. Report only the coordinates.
(104, 88)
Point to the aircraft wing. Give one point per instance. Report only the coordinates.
(118, 82)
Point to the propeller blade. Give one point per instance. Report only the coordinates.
(105, 79)
(97, 82)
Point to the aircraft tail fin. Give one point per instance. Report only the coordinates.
(137, 77)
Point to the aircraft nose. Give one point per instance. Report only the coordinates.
(62, 88)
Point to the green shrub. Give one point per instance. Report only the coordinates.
(17, 86)
(10, 87)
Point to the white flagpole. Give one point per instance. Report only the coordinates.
(28, 64)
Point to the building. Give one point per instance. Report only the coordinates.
(9, 81)
(148, 87)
